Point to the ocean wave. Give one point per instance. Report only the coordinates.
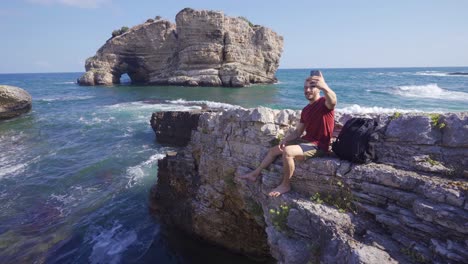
(96, 120)
(73, 198)
(209, 104)
(65, 98)
(109, 244)
(140, 105)
(440, 74)
(136, 173)
(13, 169)
(391, 74)
(66, 83)
(17, 167)
(432, 91)
(357, 109)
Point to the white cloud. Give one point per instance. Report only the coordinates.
(73, 3)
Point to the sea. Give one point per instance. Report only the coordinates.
(76, 171)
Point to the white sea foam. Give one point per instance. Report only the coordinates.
(357, 109)
(136, 173)
(95, 120)
(65, 98)
(66, 83)
(72, 198)
(136, 106)
(431, 73)
(429, 91)
(391, 74)
(207, 103)
(109, 244)
(439, 74)
(12, 165)
(12, 169)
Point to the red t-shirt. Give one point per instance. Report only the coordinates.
(319, 122)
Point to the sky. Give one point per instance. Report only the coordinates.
(58, 35)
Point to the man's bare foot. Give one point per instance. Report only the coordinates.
(251, 176)
(283, 188)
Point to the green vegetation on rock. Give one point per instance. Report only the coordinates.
(343, 201)
(280, 217)
(396, 115)
(120, 31)
(432, 162)
(436, 121)
(276, 140)
(246, 20)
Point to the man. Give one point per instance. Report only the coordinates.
(317, 120)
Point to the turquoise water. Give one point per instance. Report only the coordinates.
(76, 171)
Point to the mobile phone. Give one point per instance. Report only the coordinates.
(315, 73)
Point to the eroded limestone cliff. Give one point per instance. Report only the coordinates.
(408, 207)
(204, 48)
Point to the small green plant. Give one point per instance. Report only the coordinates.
(316, 198)
(276, 140)
(343, 202)
(246, 20)
(120, 31)
(280, 217)
(436, 122)
(396, 115)
(431, 161)
(413, 255)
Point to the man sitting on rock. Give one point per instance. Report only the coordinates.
(317, 119)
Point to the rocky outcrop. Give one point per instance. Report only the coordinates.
(14, 101)
(174, 127)
(408, 207)
(458, 73)
(203, 48)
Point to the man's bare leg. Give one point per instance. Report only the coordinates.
(290, 153)
(269, 158)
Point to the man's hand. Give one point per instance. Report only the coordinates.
(319, 82)
(330, 96)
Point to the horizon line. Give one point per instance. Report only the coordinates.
(301, 68)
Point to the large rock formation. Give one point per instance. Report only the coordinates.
(203, 48)
(14, 101)
(408, 207)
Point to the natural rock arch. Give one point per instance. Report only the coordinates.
(203, 48)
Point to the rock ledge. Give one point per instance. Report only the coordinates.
(408, 207)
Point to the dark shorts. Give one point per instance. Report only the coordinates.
(310, 149)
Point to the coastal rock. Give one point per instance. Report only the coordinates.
(422, 131)
(455, 129)
(203, 48)
(14, 101)
(399, 210)
(174, 127)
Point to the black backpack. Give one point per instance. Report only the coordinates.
(353, 141)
